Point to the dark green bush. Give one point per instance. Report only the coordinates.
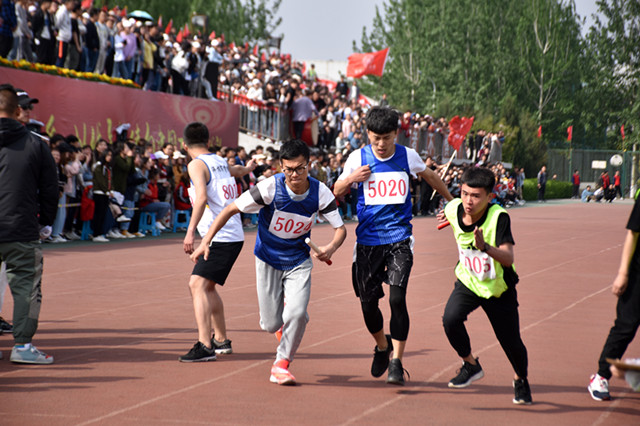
(555, 189)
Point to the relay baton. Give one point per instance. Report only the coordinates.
(316, 249)
(443, 225)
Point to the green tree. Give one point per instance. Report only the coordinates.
(239, 20)
(515, 64)
(612, 83)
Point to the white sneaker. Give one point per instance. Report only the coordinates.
(100, 239)
(127, 234)
(72, 236)
(599, 388)
(58, 239)
(160, 226)
(114, 233)
(138, 234)
(123, 218)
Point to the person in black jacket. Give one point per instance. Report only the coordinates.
(28, 201)
(43, 29)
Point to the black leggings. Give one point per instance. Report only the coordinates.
(625, 326)
(502, 313)
(399, 324)
(101, 206)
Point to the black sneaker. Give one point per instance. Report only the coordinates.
(522, 392)
(381, 359)
(199, 353)
(466, 375)
(221, 347)
(5, 327)
(396, 372)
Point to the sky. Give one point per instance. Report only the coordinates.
(324, 30)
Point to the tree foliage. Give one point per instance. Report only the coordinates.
(516, 64)
(238, 20)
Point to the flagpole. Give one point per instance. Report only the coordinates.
(446, 169)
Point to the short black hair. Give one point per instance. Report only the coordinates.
(8, 99)
(479, 177)
(294, 148)
(382, 120)
(196, 133)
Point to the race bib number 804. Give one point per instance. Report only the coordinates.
(386, 188)
(290, 225)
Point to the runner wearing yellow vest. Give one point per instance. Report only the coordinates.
(486, 278)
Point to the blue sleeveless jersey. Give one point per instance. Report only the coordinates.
(283, 226)
(388, 223)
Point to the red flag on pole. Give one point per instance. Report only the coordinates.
(212, 35)
(232, 46)
(179, 36)
(87, 4)
(539, 132)
(622, 131)
(160, 22)
(169, 25)
(246, 46)
(569, 133)
(255, 50)
(367, 63)
(263, 57)
(458, 129)
(186, 32)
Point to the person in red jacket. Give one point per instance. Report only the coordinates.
(575, 180)
(181, 195)
(150, 202)
(616, 183)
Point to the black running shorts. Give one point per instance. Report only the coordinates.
(390, 263)
(222, 256)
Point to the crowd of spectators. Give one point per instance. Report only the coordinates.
(120, 179)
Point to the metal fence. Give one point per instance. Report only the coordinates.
(257, 117)
(562, 162)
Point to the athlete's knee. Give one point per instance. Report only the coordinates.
(398, 299)
(270, 325)
(200, 284)
(452, 318)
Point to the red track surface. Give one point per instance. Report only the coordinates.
(117, 316)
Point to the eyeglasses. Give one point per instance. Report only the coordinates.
(298, 170)
(27, 108)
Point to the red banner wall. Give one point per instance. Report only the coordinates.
(93, 110)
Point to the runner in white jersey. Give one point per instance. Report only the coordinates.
(212, 188)
(288, 204)
(384, 246)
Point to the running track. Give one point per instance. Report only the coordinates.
(117, 316)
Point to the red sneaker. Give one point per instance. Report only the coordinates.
(279, 334)
(280, 373)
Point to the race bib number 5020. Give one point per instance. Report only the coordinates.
(386, 188)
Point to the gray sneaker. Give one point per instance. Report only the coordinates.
(30, 355)
(222, 347)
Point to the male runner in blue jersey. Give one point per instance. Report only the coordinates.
(288, 204)
(384, 248)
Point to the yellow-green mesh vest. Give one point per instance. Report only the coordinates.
(483, 288)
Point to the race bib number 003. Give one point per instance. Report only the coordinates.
(479, 264)
(386, 188)
(290, 225)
